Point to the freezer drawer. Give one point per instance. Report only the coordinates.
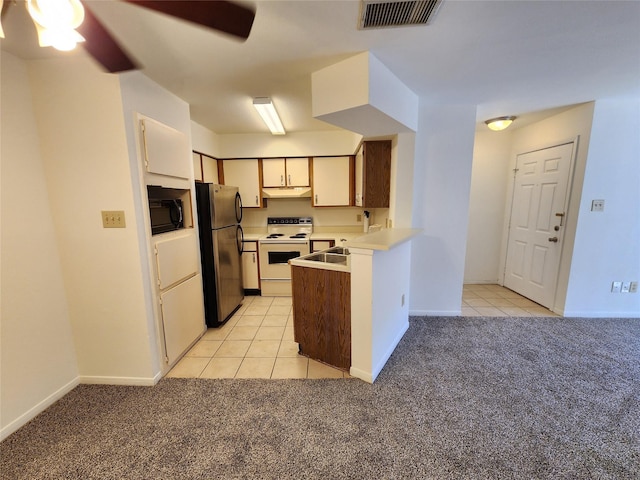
(177, 258)
(182, 316)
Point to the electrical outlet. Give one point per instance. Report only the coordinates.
(113, 219)
(633, 287)
(358, 217)
(625, 287)
(616, 287)
(597, 205)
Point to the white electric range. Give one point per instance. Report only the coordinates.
(287, 238)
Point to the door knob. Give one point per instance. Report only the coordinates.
(553, 239)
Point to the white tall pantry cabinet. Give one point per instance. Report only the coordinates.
(176, 269)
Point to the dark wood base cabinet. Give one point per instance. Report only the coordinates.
(322, 314)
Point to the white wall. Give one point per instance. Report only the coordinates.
(442, 178)
(401, 194)
(607, 244)
(80, 121)
(489, 178)
(338, 142)
(38, 360)
(204, 140)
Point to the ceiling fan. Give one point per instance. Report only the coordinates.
(77, 23)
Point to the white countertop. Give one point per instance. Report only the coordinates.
(384, 239)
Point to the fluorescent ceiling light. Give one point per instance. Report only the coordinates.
(500, 123)
(267, 111)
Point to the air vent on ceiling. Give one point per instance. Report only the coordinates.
(382, 13)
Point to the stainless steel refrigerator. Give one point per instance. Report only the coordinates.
(219, 216)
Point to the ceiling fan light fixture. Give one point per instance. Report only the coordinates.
(56, 21)
(500, 123)
(269, 115)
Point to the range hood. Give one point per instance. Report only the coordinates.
(290, 192)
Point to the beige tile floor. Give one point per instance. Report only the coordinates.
(497, 301)
(257, 342)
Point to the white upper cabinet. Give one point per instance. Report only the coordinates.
(244, 174)
(273, 172)
(166, 149)
(205, 168)
(285, 172)
(209, 169)
(197, 167)
(332, 182)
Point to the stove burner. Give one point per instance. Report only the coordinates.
(276, 235)
(299, 235)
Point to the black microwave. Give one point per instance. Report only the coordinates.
(166, 215)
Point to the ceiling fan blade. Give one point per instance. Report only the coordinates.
(102, 46)
(220, 15)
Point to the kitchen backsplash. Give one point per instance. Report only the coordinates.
(322, 217)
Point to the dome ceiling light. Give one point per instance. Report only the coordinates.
(500, 123)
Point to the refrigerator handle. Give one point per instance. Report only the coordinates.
(240, 239)
(238, 207)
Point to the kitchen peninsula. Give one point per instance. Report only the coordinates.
(379, 268)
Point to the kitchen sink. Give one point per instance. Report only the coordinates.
(338, 250)
(334, 256)
(327, 257)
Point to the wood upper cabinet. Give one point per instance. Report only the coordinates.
(285, 172)
(373, 174)
(205, 168)
(332, 181)
(245, 174)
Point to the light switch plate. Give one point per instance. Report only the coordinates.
(113, 219)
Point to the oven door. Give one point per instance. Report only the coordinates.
(274, 259)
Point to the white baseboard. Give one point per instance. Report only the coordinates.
(590, 314)
(370, 377)
(38, 409)
(361, 374)
(435, 313)
(392, 346)
(136, 381)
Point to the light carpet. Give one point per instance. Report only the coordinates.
(472, 398)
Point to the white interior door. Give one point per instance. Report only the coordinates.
(536, 227)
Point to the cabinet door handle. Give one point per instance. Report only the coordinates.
(254, 257)
(281, 180)
(289, 179)
(316, 198)
(257, 203)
